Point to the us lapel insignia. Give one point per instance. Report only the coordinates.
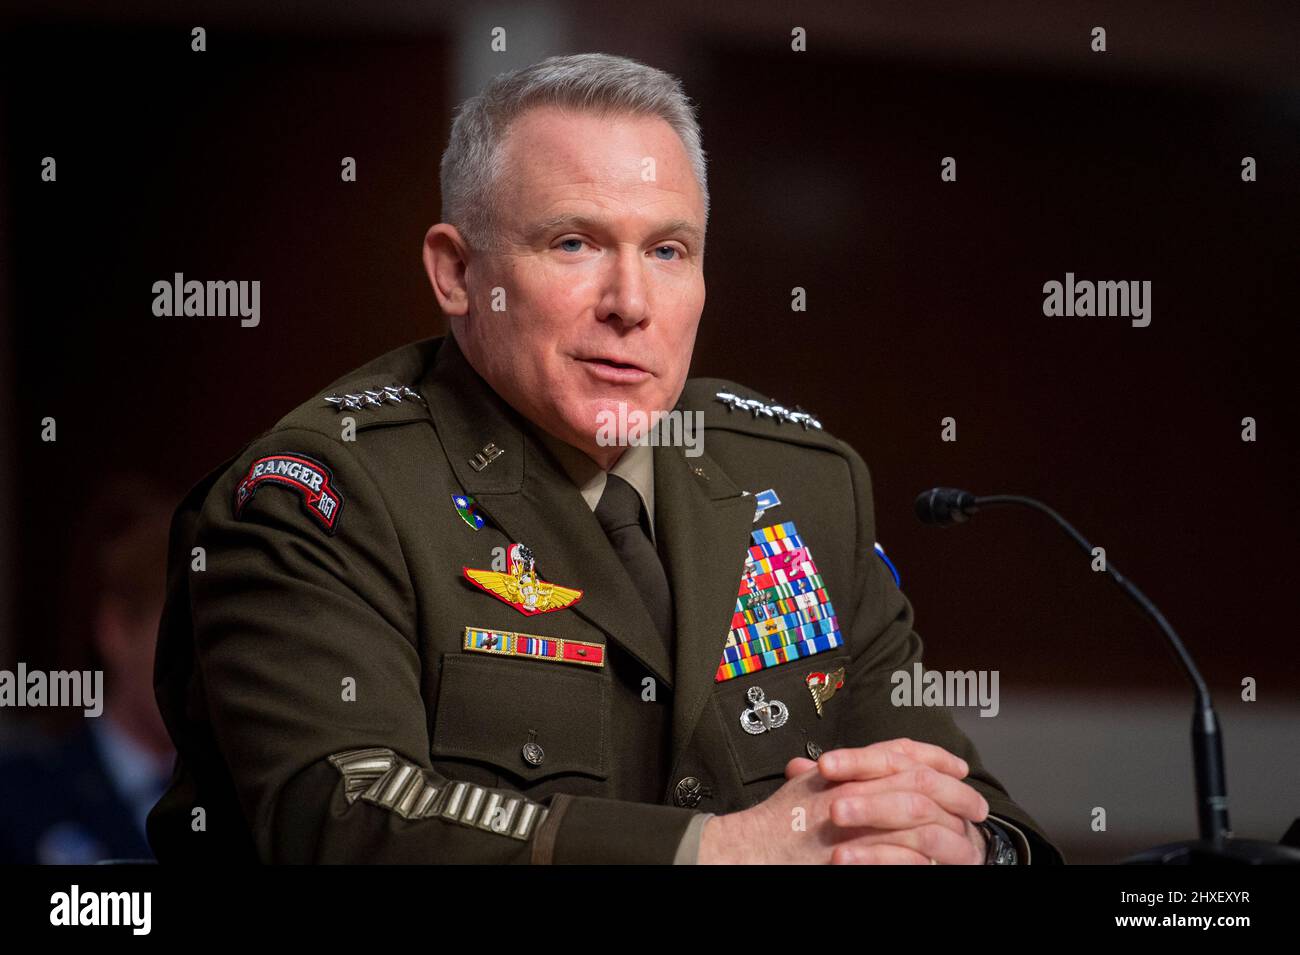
(468, 510)
(822, 686)
(521, 588)
(511, 644)
(782, 611)
(485, 456)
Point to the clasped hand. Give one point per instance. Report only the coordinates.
(895, 802)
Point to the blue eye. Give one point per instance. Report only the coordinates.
(575, 247)
(670, 248)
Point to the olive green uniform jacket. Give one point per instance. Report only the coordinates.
(312, 665)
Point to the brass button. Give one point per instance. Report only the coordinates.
(533, 753)
(689, 792)
(814, 750)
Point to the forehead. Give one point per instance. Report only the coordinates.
(550, 155)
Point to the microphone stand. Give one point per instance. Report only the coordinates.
(1216, 844)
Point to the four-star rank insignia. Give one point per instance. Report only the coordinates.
(521, 588)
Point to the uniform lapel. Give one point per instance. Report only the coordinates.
(704, 524)
(529, 497)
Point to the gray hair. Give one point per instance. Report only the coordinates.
(595, 82)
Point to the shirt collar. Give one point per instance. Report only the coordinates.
(635, 465)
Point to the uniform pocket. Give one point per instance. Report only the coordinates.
(764, 755)
(528, 720)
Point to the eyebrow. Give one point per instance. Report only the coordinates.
(574, 222)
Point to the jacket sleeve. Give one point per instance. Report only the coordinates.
(883, 641)
(305, 639)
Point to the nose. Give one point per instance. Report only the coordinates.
(624, 298)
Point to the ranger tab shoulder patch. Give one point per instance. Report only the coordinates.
(297, 472)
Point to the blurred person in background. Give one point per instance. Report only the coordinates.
(81, 796)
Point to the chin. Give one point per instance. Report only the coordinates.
(579, 421)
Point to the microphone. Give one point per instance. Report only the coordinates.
(943, 506)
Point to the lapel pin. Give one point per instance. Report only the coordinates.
(521, 588)
(468, 510)
(764, 501)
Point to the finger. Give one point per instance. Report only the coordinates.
(879, 759)
(957, 797)
(891, 809)
(798, 766)
(952, 795)
(863, 763)
(877, 855)
(932, 841)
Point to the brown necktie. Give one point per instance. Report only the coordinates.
(624, 520)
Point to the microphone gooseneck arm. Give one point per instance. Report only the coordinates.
(949, 505)
(1130, 588)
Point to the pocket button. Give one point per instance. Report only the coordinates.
(533, 753)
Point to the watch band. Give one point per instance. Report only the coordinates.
(1001, 850)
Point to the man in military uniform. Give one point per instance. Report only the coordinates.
(436, 614)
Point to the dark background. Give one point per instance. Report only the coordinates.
(925, 297)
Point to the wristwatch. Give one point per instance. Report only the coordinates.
(1001, 850)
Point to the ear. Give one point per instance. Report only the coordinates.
(446, 257)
